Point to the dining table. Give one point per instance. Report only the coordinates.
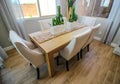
(51, 44)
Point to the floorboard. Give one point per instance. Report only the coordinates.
(98, 66)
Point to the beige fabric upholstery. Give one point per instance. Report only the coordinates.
(15, 38)
(29, 44)
(75, 45)
(45, 24)
(94, 30)
(33, 56)
(65, 20)
(90, 21)
(27, 50)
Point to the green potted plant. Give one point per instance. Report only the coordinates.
(71, 15)
(58, 22)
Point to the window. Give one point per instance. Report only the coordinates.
(47, 7)
(36, 8)
(105, 3)
(29, 8)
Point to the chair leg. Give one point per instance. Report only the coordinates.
(88, 47)
(67, 65)
(81, 53)
(57, 59)
(30, 64)
(78, 56)
(38, 73)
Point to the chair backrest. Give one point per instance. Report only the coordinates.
(77, 43)
(14, 37)
(46, 23)
(90, 21)
(33, 56)
(94, 30)
(30, 55)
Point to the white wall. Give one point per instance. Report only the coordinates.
(102, 31)
(116, 40)
(117, 37)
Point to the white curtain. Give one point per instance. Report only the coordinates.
(63, 4)
(3, 56)
(12, 16)
(81, 7)
(114, 22)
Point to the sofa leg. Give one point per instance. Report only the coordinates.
(38, 73)
(67, 65)
(88, 47)
(78, 56)
(81, 53)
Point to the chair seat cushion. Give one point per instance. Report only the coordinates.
(39, 51)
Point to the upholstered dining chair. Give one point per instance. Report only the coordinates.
(74, 46)
(90, 21)
(91, 37)
(28, 50)
(46, 23)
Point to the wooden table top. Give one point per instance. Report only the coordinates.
(56, 42)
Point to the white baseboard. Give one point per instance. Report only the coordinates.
(8, 48)
(97, 38)
(113, 44)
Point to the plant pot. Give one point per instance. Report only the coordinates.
(72, 25)
(57, 30)
(69, 26)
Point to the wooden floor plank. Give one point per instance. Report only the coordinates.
(98, 66)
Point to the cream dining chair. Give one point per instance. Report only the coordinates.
(90, 21)
(74, 46)
(28, 50)
(91, 37)
(45, 24)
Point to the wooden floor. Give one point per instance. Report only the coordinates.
(98, 66)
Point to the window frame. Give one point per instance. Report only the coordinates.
(39, 11)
